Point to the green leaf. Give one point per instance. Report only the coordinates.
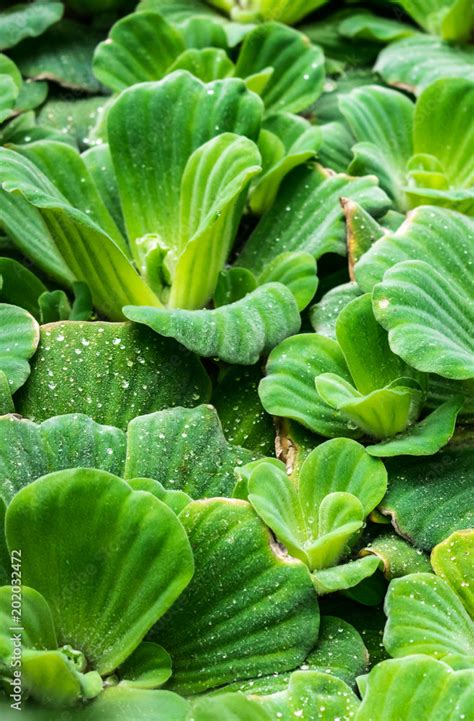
(240, 411)
(414, 295)
(381, 413)
(364, 25)
(287, 11)
(141, 371)
(62, 54)
(286, 141)
(416, 62)
(288, 388)
(364, 344)
(442, 118)
(117, 64)
(27, 21)
(65, 168)
(451, 19)
(314, 696)
(232, 285)
(426, 616)
(78, 118)
(249, 611)
(340, 651)
(32, 94)
(424, 438)
(84, 524)
(430, 498)
(295, 270)
(50, 678)
(229, 707)
(207, 64)
(99, 163)
(29, 450)
(381, 121)
(10, 84)
(54, 306)
(236, 333)
(27, 230)
(19, 337)
(298, 76)
(452, 561)
(426, 690)
(158, 114)
(122, 704)
(176, 500)
(149, 666)
(316, 519)
(89, 252)
(190, 451)
(342, 464)
(307, 216)
(212, 191)
(399, 557)
(335, 150)
(347, 575)
(36, 622)
(434, 235)
(323, 315)
(19, 286)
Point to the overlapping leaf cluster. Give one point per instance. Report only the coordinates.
(237, 360)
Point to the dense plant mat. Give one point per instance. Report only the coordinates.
(237, 360)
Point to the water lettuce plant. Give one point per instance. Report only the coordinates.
(236, 360)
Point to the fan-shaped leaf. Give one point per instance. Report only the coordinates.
(249, 610)
(295, 270)
(190, 452)
(84, 524)
(424, 438)
(426, 690)
(28, 450)
(62, 54)
(452, 560)
(89, 252)
(416, 62)
(236, 333)
(426, 616)
(381, 121)
(158, 114)
(288, 388)
(212, 187)
(430, 498)
(140, 47)
(298, 76)
(452, 19)
(423, 309)
(307, 215)
(141, 372)
(27, 21)
(19, 337)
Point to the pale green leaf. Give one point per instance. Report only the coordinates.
(19, 337)
(452, 560)
(426, 690)
(426, 616)
(288, 389)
